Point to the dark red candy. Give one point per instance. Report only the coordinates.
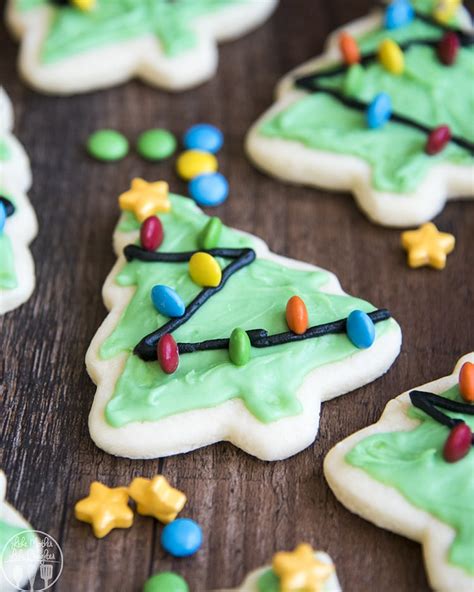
(458, 443)
(438, 139)
(168, 354)
(448, 48)
(151, 233)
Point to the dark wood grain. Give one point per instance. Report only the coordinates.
(247, 508)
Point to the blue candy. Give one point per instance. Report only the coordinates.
(360, 329)
(203, 136)
(209, 190)
(182, 537)
(167, 301)
(379, 111)
(3, 216)
(398, 14)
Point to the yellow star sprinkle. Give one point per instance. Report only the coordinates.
(105, 508)
(427, 246)
(145, 199)
(155, 497)
(84, 5)
(445, 10)
(299, 570)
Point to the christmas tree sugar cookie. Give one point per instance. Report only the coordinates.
(412, 473)
(212, 337)
(18, 224)
(76, 46)
(385, 112)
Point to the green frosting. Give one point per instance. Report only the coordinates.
(73, 31)
(427, 92)
(268, 582)
(412, 462)
(5, 152)
(8, 279)
(255, 297)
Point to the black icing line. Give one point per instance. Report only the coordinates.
(9, 207)
(464, 37)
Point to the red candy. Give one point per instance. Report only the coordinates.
(438, 139)
(466, 382)
(448, 48)
(458, 443)
(151, 233)
(349, 48)
(168, 354)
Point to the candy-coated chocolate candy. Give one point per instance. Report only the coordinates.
(360, 329)
(438, 139)
(168, 354)
(458, 443)
(166, 581)
(3, 216)
(466, 382)
(296, 315)
(349, 48)
(192, 163)
(107, 145)
(181, 538)
(203, 136)
(398, 14)
(239, 347)
(353, 80)
(167, 301)
(210, 189)
(151, 233)
(156, 144)
(210, 234)
(448, 48)
(379, 111)
(84, 5)
(8, 205)
(204, 270)
(391, 56)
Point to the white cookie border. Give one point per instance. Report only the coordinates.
(141, 57)
(291, 161)
(385, 506)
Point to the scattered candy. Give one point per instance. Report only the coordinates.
(210, 234)
(156, 144)
(458, 443)
(448, 48)
(391, 56)
(181, 538)
(211, 189)
(466, 382)
(437, 140)
(145, 199)
(166, 581)
(427, 246)
(167, 301)
(349, 48)
(192, 163)
(398, 14)
(205, 270)
(445, 10)
(379, 111)
(107, 145)
(300, 569)
(360, 329)
(168, 354)
(296, 315)
(3, 216)
(151, 233)
(203, 136)
(354, 80)
(155, 497)
(239, 347)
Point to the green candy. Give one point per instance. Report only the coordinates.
(156, 144)
(166, 581)
(354, 80)
(209, 237)
(107, 145)
(239, 347)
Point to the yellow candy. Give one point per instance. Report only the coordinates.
(445, 10)
(204, 270)
(301, 570)
(155, 497)
(427, 246)
(84, 5)
(145, 199)
(391, 56)
(192, 163)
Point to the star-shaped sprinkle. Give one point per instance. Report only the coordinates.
(145, 199)
(155, 497)
(300, 570)
(105, 508)
(427, 246)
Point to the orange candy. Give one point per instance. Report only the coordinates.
(297, 315)
(349, 48)
(466, 382)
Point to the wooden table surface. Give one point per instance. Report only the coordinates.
(248, 509)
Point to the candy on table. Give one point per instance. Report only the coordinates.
(239, 347)
(448, 48)
(379, 111)
(192, 163)
(204, 270)
(156, 144)
(151, 233)
(437, 140)
(398, 14)
(167, 354)
(107, 145)
(349, 48)
(211, 189)
(155, 497)
(145, 199)
(167, 301)
(166, 581)
(297, 315)
(466, 382)
(210, 234)
(301, 570)
(360, 329)
(427, 246)
(182, 537)
(391, 56)
(203, 136)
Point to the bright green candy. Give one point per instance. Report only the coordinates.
(107, 145)
(354, 80)
(166, 581)
(156, 144)
(239, 347)
(209, 237)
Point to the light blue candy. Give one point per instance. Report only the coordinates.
(182, 537)
(3, 216)
(203, 136)
(379, 111)
(360, 329)
(398, 14)
(209, 190)
(167, 301)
